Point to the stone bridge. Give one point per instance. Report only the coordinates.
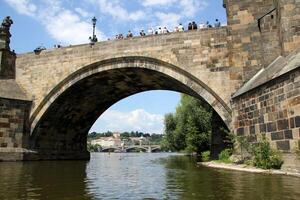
(144, 148)
(71, 87)
(247, 71)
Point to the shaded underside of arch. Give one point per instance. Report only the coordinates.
(136, 148)
(109, 149)
(61, 122)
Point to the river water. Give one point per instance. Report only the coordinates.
(138, 176)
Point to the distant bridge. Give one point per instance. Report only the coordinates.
(144, 148)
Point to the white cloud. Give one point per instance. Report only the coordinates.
(71, 24)
(114, 9)
(147, 3)
(83, 12)
(23, 6)
(64, 25)
(163, 16)
(168, 19)
(67, 27)
(191, 7)
(187, 8)
(137, 120)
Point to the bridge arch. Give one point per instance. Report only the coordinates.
(156, 149)
(109, 149)
(77, 101)
(145, 149)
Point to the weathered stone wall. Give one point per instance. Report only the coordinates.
(7, 64)
(268, 26)
(244, 36)
(272, 109)
(14, 123)
(289, 14)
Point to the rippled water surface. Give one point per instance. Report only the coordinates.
(138, 176)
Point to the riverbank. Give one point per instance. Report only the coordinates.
(245, 168)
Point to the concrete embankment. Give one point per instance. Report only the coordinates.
(246, 168)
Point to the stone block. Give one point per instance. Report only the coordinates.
(288, 134)
(252, 130)
(292, 122)
(297, 121)
(283, 145)
(262, 128)
(271, 127)
(282, 124)
(296, 133)
(277, 136)
(3, 144)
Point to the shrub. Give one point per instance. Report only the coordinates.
(225, 155)
(264, 157)
(205, 156)
(242, 142)
(276, 160)
(248, 162)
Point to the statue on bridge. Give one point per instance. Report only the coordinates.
(7, 22)
(5, 33)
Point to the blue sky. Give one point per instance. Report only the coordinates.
(65, 22)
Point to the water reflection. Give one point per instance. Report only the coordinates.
(43, 180)
(190, 182)
(126, 176)
(138, 176)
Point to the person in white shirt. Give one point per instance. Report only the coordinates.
(180, 28)
(150, 31)
(159, 30)
(165, 30)
(176, 29)
(202, 25)
(217, 23)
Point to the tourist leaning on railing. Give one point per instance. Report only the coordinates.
(191, 26)
(217, 23)
(180, 28)
(142, 33)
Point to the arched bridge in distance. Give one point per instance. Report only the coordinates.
(143, 148)
(71, 87)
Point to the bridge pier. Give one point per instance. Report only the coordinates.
(218, 136)
(14, 104)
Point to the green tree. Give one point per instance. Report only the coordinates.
(168, 142)
(190, 127)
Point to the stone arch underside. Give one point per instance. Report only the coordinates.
(60, 124)
(136, 148)
(108, 149)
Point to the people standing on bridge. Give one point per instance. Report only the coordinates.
(208, 25)
(159, 31)
(217, 23)
(165, 30)
(201, 25)
(180, 28)
(129, 35)
(194, 26)
(142, 33)
(176, 29)
(190, 27)
(150, 31)
(120, 36)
